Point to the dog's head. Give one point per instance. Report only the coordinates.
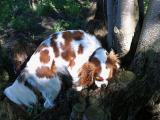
(100, 68)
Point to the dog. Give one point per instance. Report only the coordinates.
(71, 56)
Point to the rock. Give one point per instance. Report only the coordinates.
(94, 113)
(79, 107)
(77, 112)
(121, 80)
(125, 75)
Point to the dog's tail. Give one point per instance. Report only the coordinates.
(20, 94)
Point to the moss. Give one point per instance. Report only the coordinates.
(124, 76)
(94, 113)
(77, 111)
(127, 76)
(79, 107)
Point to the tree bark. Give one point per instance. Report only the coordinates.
(149, 39)
(128, 58)
(126, 21)
(146, 63)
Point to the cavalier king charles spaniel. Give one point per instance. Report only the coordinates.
(72, 56)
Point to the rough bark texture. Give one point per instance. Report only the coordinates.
(149, 39)
(126, 21)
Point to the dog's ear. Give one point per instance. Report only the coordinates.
(86, 74)
(113, 63)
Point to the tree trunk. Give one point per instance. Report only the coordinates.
(140, 100)
(126, 22)
(110, 23)
(147, 61)
(149, 39)
(128, 58)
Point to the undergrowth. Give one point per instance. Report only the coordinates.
(25, 16)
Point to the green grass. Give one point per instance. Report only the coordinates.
(60, 25)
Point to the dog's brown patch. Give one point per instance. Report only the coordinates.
(71, 63)
(80, 49)
(96, 62)
(44, 56)
(86, 74)
(111, 73)
(55, 48)
(67, 35)
(89, 71)
(68, 54)
(46, 71)
(54, 45)
(77, 35)
(112, 62)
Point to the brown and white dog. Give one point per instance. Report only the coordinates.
(74, 54)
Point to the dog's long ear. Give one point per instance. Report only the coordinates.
(86, 74)
(113, 63)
